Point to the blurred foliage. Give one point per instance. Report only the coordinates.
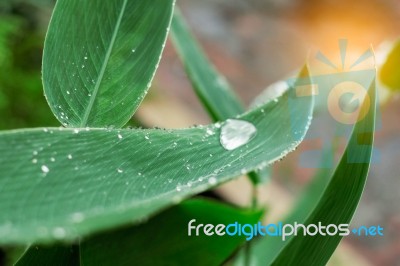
(388, 73)
(21, 43)
(23, 25)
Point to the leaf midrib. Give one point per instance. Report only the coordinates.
(103, 67)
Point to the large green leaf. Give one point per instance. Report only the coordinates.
(59, 183)
(163, 240)
(211, 87)
(100, 57)
(340, 199)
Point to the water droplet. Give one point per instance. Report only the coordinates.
(210, 132)
(120, 170)
(35, 152)
(212, 181)
(59, 232)
(236, 133)
(85, 57)
(45, 130)
(68, 92)
(77, 217)
(133, 50)
(119, 136)
(52, 159)
(45, 169)
(69, 156)
(34, 160)
(146, 137)
(76, 131)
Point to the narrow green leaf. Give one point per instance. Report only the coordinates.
(388, 73)
(60, 184)
(302, 209)
(211, 87)
(340, 199)
(100, 57)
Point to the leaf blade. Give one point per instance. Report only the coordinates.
(340, 199)
(210, 86)
(94, 72)
(65, 183)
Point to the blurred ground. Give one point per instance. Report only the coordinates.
(253, 43)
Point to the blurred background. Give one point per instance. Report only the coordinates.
(253, 43)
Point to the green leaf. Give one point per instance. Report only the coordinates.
(211, 87)
(388, 73)
(164, 239)
(61, 184)
(340, 199)
(159, 241)
(302, 209)
(50, 255)
(100, 57)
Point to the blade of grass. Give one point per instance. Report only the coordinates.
(340, 199)
(211, 87)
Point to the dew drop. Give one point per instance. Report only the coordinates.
(236, 133)
(77, 217)
(210, 132)
(212, 181)
(120, 170)
(45, 169)
(69, 156)
(119, 136)
(68, 92)
(59, 232)
(34, 160)
(76, 131)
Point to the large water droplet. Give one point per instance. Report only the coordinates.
(236, 133)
